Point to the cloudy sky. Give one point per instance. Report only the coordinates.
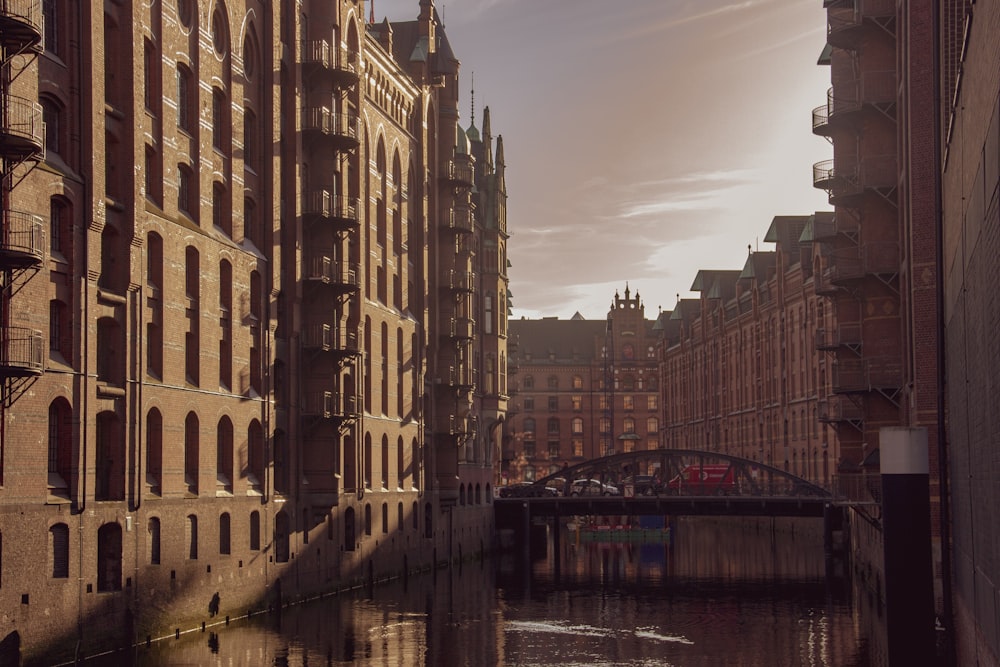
(644, 139)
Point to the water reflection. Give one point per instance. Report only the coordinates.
(718, 594)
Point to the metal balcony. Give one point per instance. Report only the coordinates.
(318, 58)
(848, 181)
(327, 338)
(21, 352)
(880, 260)
(324, 270)
(330, 405)
(458, 173)
(461, 281)
(460, 220)
(462, 328)
(340, 212)
(22, 132)
(21, 26)
(828, 225)
(850, 102)
(21, 240)
(461, 377)
(854, 376)
(341, 130)
(843, 335)
(835, 409)
(848, 25)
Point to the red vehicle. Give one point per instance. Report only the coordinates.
(704, 479)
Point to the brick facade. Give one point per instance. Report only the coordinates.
(238, 368)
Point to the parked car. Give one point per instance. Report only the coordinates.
(527, 490)
(644, 485)
(592, 487)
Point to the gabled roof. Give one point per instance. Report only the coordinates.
(716, 284)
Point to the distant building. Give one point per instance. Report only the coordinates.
(741, 373)
(583, 389)
(254, 312)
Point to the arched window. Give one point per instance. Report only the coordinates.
(224, 456)
(59, 551)
(191, 454)
(191, 537)
(153, 528)
(154, 451)
(224, 534)
(60, 448)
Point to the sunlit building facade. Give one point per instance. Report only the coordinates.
(238, 367)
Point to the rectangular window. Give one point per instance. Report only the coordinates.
(577, 446)
(553, 403)
(529, 404)
(651, 402)
(577, 403)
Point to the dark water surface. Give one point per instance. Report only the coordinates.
(722, 593)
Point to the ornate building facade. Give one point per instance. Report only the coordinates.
(254, 271)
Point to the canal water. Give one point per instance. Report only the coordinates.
(717, 592)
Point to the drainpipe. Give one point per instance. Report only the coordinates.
(947, 611)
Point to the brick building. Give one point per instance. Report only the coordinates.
(583, 389)
(741, 373)
(245, 251)
(965, 143)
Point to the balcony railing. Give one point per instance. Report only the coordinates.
(22, 131)
(462, 328)
(461, 376)
(839, 409)
(327, 337)
(459, 173)
(343, 127)
(22, 239)
(847, 180)
(330, 405)
(326, 270)
(318, 55)
(461, 281)
(460, 220)
(861, 375)
(868, 259)
(843, 335)
(337, 209)
(21, 352)
(21, 24)
(846, 25)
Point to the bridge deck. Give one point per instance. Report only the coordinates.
(509, 512)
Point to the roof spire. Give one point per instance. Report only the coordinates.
(371, 16)
(472, 97)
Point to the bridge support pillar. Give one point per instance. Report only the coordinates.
(906, 536)
(556, 546)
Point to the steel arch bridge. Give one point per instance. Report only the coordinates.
(676, 472)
